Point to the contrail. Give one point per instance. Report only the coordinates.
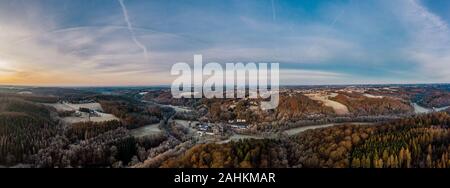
(337, 17)
(274, 13)
(65, 5)
(131, 30)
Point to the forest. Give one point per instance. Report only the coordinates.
(165, 97)
(132, 113)
(292, 108)
(241, 154)
(416, 142)
(298, 106)
(31, 135)
(24, 129)
(413, 143)
(360, 105)
(436, 99)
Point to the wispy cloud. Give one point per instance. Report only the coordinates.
(320, 41)
(5, 70)
(430, 44)
(274, 12)
(310, 77)
(130, 28)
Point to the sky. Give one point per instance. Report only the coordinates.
(135, 42)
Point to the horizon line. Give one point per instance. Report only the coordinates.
(168, 85)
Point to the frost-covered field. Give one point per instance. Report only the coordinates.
(74, 107)
(84, 117)
(339, 108)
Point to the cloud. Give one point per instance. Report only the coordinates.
(310, 77)
(130, 28)
(274, 12)
(430, 40)
(335, 42)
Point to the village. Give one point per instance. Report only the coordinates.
(218, 129)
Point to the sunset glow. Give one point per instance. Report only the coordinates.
(136, 42)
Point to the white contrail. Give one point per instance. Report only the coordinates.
(65, 5)
(130, 28)
(337, 17)
(274, 13)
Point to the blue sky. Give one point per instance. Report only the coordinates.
(135, 42)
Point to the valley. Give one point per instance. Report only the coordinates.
(318, 126)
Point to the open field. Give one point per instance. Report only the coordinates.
(372, 96)
(338, 108)
(146, 130)
(74, 107)
(84, 117)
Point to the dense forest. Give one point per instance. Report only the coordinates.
(25, 128)
(242, 154)
(133, 113)
(110, 149)
(165, 97)
(436, 99)
(292, 108)
(361, 105)
(30, 134)
(86, 130)
(299, 106)
(31, 98)
(413, 143)
(417, 142)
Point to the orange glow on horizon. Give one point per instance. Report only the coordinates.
(74, 79)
